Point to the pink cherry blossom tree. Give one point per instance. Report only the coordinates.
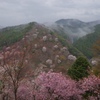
(13, 63)
(25, 91)
(91, 87)
(55, 86)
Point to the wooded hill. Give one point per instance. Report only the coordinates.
(85, 44)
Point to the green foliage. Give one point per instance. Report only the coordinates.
(11, 35)
(79, 69)
(74, 51)
(96, 48)
(52, 33)
(81, 61)
(96, 52)
(85, 43)
(62, 40)
(62, 36)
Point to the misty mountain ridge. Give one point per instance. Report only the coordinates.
(74, 28)
(94, 23)
(86, 43)
(68, 31)
(70, 22)
(47, 50)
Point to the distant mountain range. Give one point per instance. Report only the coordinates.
(77, 35)
(74, 28)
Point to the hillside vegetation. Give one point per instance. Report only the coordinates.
(74, 28)
(10, 35)
(65, 41)
(35, 32)
(85, 43)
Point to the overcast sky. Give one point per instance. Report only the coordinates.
(13, 12)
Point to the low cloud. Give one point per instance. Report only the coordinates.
(14, 12)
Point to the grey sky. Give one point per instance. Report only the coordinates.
(13, 12)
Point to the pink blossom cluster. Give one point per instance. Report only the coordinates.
(91, 85)
(56, 86)
(25, 91)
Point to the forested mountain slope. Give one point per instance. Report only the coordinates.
(10, 35)
(85, 43)
(73, 29)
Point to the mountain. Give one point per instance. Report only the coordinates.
(50, 47)
(81, 34)
(73, 28)
(94, 23)
(70, 22)
(47, 49)
(85, 43)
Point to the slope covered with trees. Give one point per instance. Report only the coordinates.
(65, 41)
(85, 43)
(10, 35)
(96, 52)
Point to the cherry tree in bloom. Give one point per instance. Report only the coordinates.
(55, 86)
(91, 87)
(25, 91)
(13, 68)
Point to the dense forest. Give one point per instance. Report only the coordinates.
(85, 44)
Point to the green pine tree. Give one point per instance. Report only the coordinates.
(79, 69)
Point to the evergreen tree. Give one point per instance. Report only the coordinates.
(79, 69)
